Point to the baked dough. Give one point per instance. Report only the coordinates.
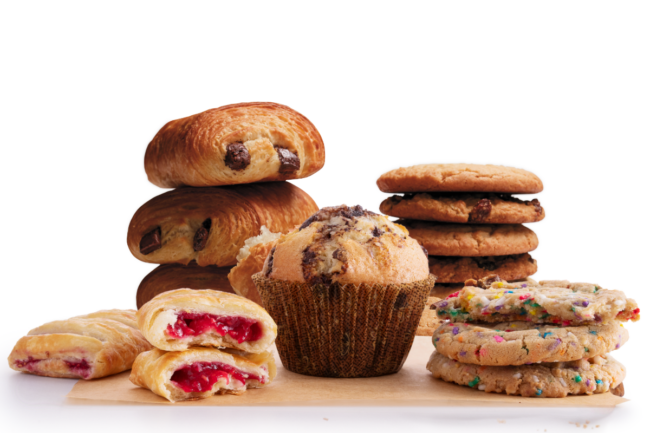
(210, 225)
(160, 323)
(85, 347)
(235, 144)
(251, 261)
(175, 276)
(155, 370)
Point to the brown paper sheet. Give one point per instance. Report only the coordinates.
(412, 386)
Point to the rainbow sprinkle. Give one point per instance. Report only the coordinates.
(474, 382)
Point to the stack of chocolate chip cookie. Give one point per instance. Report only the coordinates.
(550, 339)
(465, 216)
(228, 166)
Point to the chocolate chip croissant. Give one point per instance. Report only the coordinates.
(235, 144)
(210, 225)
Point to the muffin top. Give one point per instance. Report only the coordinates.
(347, 245)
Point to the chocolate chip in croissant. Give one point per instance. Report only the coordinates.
(150, 242)
(237, 156)
(289, 161)
(201, 235)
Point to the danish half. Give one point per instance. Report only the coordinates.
(86, 347)
(178, 319)
(201, 372)
(235, 144)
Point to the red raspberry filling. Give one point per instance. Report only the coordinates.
(80, 368)
(27, 363)
(192, 324)
(201, 376)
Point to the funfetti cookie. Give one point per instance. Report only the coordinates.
(551, 380)
(580, 304)
(517, 343)
(449, 269)
(443, 290)
(471, 240)
(460, 178)
(478, 208)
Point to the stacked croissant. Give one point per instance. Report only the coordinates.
(228, 166)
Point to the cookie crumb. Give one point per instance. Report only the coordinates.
(326, 419)
(501, 421)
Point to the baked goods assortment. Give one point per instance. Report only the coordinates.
(84, 347)
(245, 257)
(467, 219)
(229, 167)
(206, 342)
(546, 339)
(347, 289)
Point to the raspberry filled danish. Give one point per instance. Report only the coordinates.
(85, 347)
(179, 319)
(201, 372)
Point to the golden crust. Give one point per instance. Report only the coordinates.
(234, 213)
(241, 275)
(86, 348)
(462, 208)
(174, 276)
(154, 317)
(460, 178)
(192, 151)
(153, 370)
(472, 240)
(126, 317)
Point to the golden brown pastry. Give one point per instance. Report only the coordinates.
(235, 144)
(179, 319)
(174, 276)
(201, 372)
(85, 347)
(210, 225)
(251, 261)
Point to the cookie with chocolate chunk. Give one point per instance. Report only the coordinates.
(517, 343)
(482, 208)
(429, 321)
(449, 269)
(460, 178)
(551, 380)
(471, 240)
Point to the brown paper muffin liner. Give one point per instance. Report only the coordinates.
(344, 330)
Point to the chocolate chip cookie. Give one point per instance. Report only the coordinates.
(471, 240)
(449, 269)
(464, 208)
(551, 380)
(517, 343)
(460, 178)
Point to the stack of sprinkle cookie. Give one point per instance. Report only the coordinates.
(547, 339)
(465, 217)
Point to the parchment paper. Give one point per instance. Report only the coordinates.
(412, 386)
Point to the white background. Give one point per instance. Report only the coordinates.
(558, 88)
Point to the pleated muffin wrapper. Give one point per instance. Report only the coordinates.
(344, 330)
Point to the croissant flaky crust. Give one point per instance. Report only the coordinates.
(210, 225)
(179, 319)
(235, 144)
(201, 372)
(86, 347)
(240, 276)
(174, 276)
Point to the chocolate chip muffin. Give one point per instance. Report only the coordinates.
(347, 289)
